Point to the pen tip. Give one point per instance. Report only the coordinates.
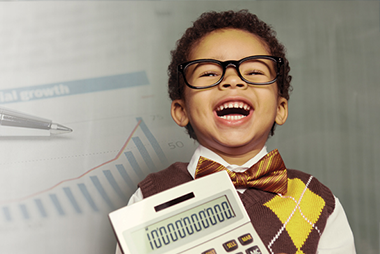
(59, 129)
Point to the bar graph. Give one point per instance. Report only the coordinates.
(102, 188)
(88, 197)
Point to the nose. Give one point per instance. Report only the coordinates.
(232, 79)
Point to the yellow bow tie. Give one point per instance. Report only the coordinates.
(268, 174)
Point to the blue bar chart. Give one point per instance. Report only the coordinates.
(111, 183)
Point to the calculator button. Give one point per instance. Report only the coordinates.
(245, 239)
(230, 245)
(210, 251)
(253, 250)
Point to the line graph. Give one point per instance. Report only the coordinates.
(75, 178)
(104, 187)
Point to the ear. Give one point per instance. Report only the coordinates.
(178, 112)
(282, 110)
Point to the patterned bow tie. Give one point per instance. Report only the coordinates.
(268, 174)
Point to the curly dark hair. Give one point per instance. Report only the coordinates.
(211, 21)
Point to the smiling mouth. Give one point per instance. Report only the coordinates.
(233, 110)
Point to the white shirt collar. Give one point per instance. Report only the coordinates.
(207, 153)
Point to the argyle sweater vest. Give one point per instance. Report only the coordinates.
(292, 223)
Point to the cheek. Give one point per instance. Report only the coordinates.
(194, 110)
(198, 100)
(269, 106)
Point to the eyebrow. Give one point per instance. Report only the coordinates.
(218, 58)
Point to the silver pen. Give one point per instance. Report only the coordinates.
(13, 123)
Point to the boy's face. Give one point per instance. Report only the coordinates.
(235, 137)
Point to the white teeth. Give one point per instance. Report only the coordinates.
(234, 105)
(234, 117)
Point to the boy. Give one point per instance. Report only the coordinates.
(229, 85)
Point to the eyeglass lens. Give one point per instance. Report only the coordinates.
(255, 71)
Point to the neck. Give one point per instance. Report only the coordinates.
(236, 158)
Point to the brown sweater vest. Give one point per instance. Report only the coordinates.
(292, 223)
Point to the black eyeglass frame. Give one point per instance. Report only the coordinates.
(279, 60)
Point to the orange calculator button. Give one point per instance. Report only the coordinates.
(210, 251)
(245, 239)
(230, 245)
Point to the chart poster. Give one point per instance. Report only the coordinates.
(100, 68)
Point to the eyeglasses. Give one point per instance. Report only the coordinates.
(254, 70)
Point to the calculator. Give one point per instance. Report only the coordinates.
(204, 216)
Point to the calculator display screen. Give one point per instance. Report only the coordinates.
(183, 225)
